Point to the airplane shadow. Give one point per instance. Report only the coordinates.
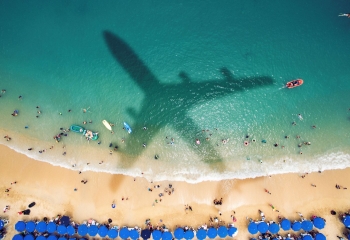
(168, 104)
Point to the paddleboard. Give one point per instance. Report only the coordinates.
(127, 127)
(107, 125)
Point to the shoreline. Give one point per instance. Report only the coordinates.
(52, 188)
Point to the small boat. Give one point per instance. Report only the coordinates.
(77, 129)
(295, 83)
(127, 127)
(90, 135)
(107, 125)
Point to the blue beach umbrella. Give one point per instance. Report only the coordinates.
(62, 238)
(307, 225)
(65, 221)
(102, 231)
(231, 231)
(263, 227)
(29, 237)
(20, 226)
(51, 227)
(70, 230)
(320, 236)
(124, 233)
(285, 224)
(1, 224)
(146, 233)
(222, 231)
(134, 234)
(252, 228)
(319, 223)
(82, 229)
(167, 236)
(112, 233)
(52, 237)
(212, 232)
(179, 233)
(92, 230)
(41, 227)
(201, 234)
(274, 228)
(307, 237)
(17, 237)
(189, 234)
(346, 221)
(41, 237)
(156, 235)
(296, 226)
(61, 229)
(30, 226)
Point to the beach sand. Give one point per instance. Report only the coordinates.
(52, 188)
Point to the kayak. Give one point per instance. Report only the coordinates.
(295, 83)
(127, 127)
(77, 129)
(107, 125)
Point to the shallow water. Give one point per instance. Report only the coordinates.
(178, 69)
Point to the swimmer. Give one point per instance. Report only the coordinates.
(299, 145)
(207, 139)
(198, 142)
(260, 161)
(254, 140)
(300, 117)
(224, 141)
(122, 140)
(90, 121)
(314, 126)
(246, 143)
(3, 91)
(247, 136)
(276, 144)
(144, 145)
(99, 143)
(156, 156)
(286, 137)
(26, 127)
(84, 122)
(144, 128)
(39, 112)
(69, 110)
(37, 106)
(20, 97)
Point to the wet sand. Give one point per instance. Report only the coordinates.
(52, 188)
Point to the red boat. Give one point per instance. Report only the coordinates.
(295, 83)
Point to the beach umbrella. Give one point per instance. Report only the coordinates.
(65, 220)
(17, 237)
(307, 237)
(102, 231)
(1, 224)
(20, 226)
(319, 223)
(62, 238)
(92, 230)
(346, 221)
(29, 237)
(146, 233)
(30, 226)
(41, 237)
(124, 233)
(212, 232)
(70, 230)
(274, 228)
(52, 237)
(307, 225)
(179, 233)
(167, 236)
(320, 236)
(232, 231)
(252, 228)
(134, 234)
(189, 234)
(82, 229)
(112, 233)
(156, 235)
(201, 234)
(61, 229)
(222, 231)
(51, 227)
(41, 227)
(296, 226)
(263, 227)
(285, 224)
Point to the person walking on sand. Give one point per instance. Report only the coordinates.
(273, 208)
(267, 191)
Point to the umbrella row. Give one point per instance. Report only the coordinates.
(212, 232)
(286, 225)
(318, 236)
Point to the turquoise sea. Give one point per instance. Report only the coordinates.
(185, 70)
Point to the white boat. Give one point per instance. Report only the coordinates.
(107, 125)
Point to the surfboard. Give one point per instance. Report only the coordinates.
(127, 127)
(107, 125)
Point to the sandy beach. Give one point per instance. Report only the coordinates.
(52, 188)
